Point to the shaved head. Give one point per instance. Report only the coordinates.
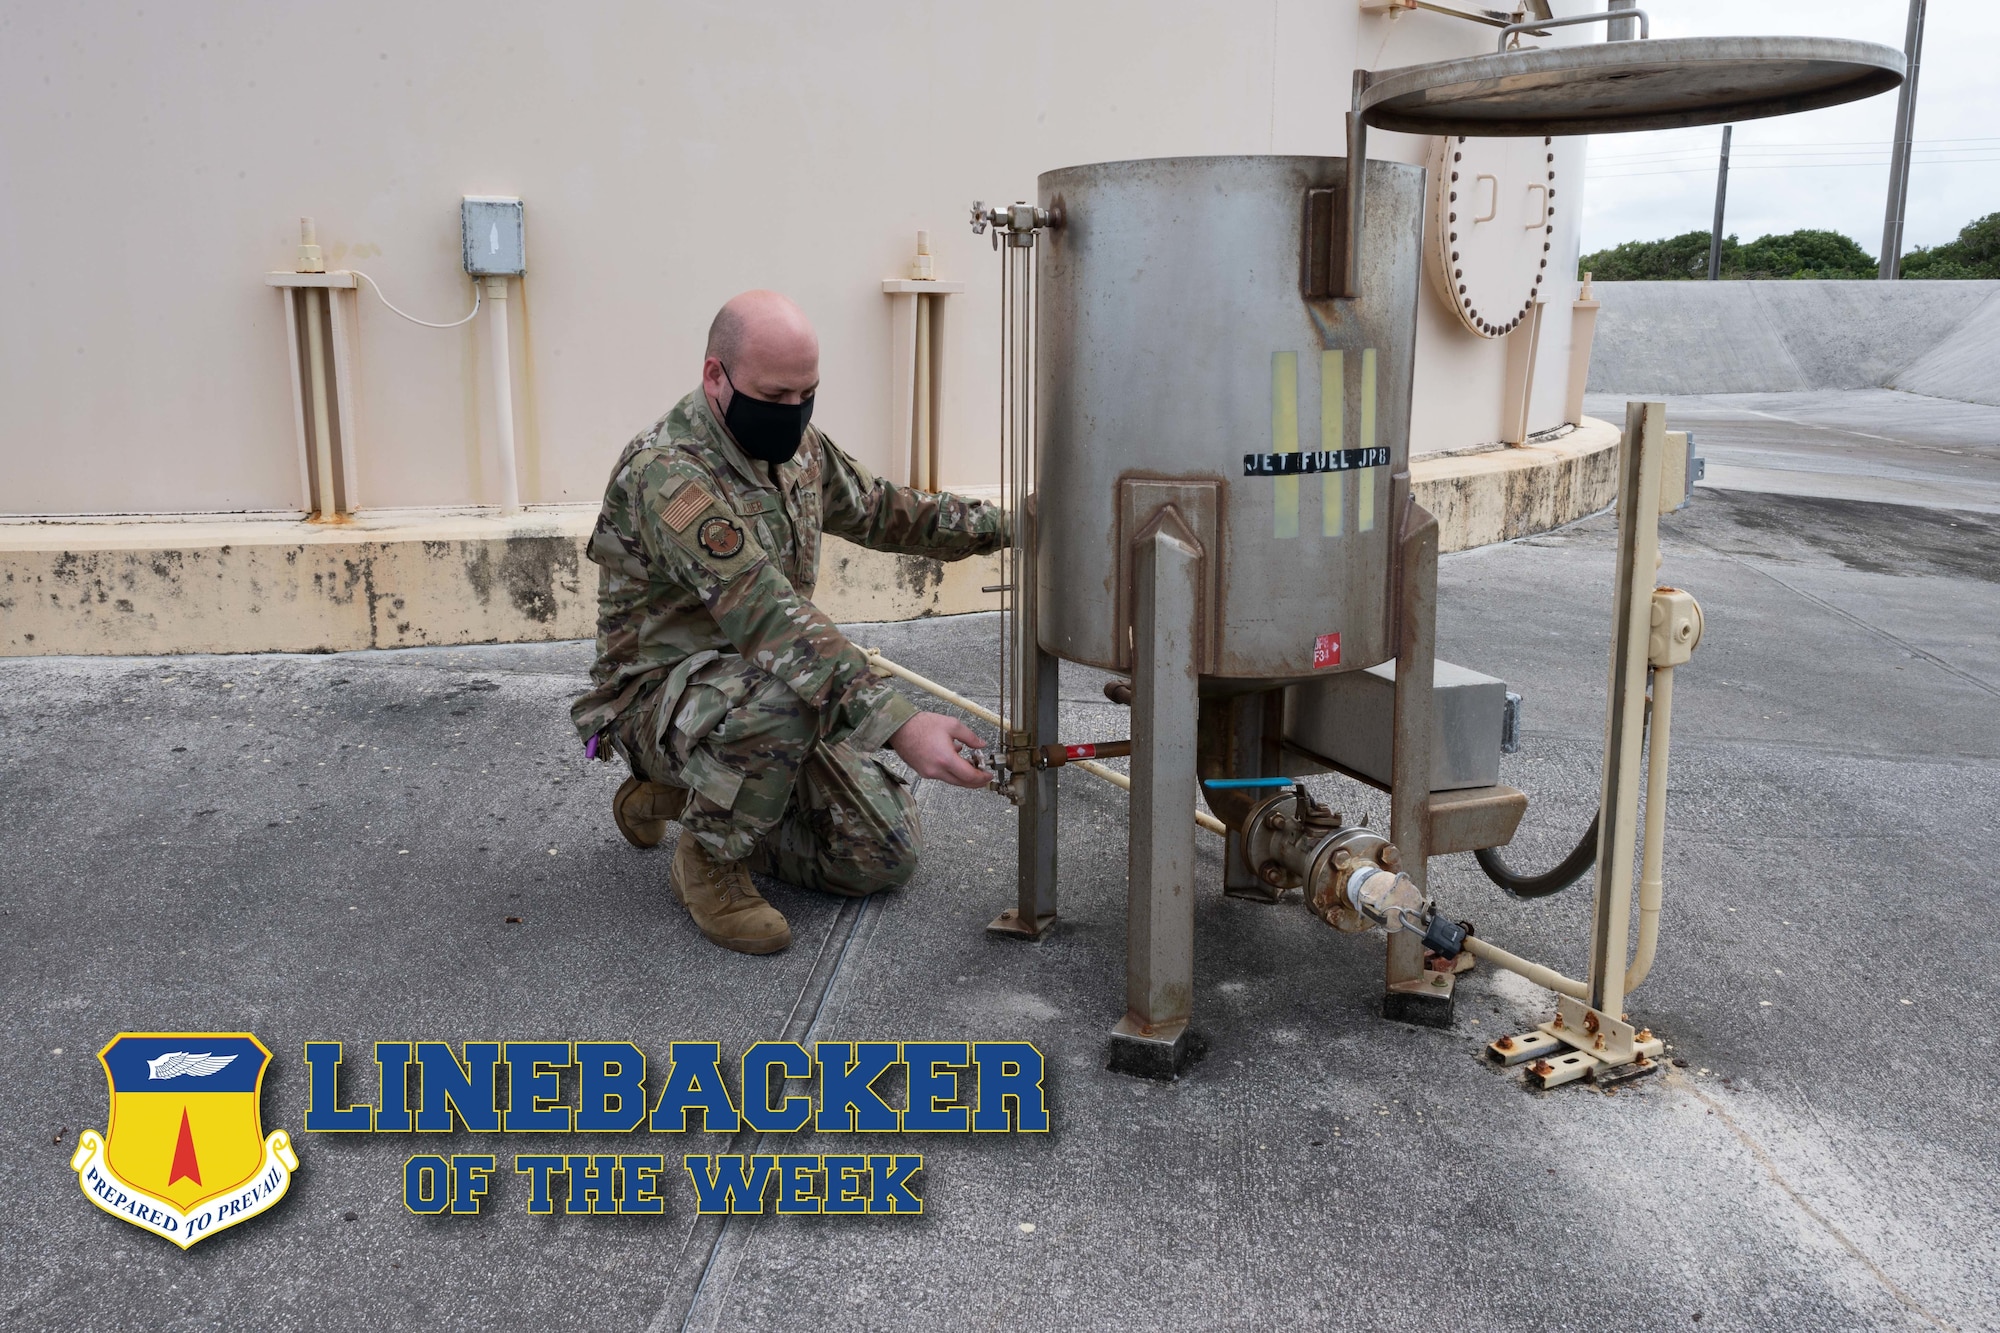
(762, 344)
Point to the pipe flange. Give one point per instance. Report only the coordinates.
(1333, 862)
(1264, 827)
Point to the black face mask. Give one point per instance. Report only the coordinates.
(769, 432)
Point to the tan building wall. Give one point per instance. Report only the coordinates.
(156, 162)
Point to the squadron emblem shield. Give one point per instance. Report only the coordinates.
(720, 538)
(184, 1154)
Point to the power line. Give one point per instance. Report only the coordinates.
(1801, 143)
(1786, 166)
(1661, 158)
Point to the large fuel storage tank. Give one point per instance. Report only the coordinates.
(1188, 357)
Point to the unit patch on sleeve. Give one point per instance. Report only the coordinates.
(685, 506)
(718, 536)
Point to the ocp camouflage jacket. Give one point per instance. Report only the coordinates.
(705, 551)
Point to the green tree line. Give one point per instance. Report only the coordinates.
(1805, 253)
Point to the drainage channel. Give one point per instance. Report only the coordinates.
(723, 1239)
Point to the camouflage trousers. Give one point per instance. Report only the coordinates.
(763, 789)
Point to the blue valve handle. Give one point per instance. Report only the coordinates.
(1225, 784)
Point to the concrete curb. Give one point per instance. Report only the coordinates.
(1502, 494)
(403, 579)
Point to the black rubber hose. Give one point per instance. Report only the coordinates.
(1567, 871)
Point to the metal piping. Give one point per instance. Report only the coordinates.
(1545, 977)
(1620, 19)
(322, 419)
(1650, 887)
(991, 718)
(503, 394)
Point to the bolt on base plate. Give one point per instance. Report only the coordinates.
(1160, 1057)
(1010, 924)
(1580, 1042)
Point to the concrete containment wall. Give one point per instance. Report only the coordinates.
(1965, 365)
(407, 580)
(1938, 338)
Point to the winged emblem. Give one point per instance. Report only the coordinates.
(193, 1064)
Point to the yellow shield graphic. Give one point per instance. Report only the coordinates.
(185, 1153)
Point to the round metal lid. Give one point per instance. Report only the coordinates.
(1611, 87)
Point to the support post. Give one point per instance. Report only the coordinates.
(1721, 203)
(1621, 30)
(1639, 459)
(346, 375)
(1522, 345)
(1890, 265)
(322, 416)
(292, 305)
(1348, 279)
(1582, 329)
(1412, 994)
(1153, 1040)
(1034, 909)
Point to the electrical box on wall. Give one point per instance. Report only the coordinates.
(496, 244)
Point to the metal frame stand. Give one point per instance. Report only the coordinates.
(1591, 1037)
(1034, 910)
(1412, 993)
(1153, 1039)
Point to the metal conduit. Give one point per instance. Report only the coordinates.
(1650, 888)
(1546, 977)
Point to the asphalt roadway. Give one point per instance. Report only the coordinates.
(331, 848)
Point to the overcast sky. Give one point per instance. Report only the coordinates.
(1826, 168)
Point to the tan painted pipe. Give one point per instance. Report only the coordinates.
(503, 394)
(322, 420)
(1545, 977)
(1650, 887)
(991, 718)
(920, 462)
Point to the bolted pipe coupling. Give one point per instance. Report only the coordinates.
(1352, 876)
(1388, 898)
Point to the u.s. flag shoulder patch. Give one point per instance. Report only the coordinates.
(687, 506)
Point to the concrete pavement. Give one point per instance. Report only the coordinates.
(329, 847)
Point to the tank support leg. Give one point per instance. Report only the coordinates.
(1034, 910)
(1038, 677)
(1413, 994)
(1153, 1039)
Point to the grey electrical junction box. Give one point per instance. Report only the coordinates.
(496, 244)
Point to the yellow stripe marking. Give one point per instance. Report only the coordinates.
(1285, 439)
(1365, 515)
(1332, 437)
(686, 506)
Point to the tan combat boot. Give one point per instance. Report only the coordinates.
(642, 810)
(725, 905)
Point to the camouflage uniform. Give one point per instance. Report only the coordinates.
(715, 671)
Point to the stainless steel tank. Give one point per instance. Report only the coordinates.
(1183, 358)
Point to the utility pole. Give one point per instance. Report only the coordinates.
(1621, 30)
(1721, 195)
(1891, 265)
